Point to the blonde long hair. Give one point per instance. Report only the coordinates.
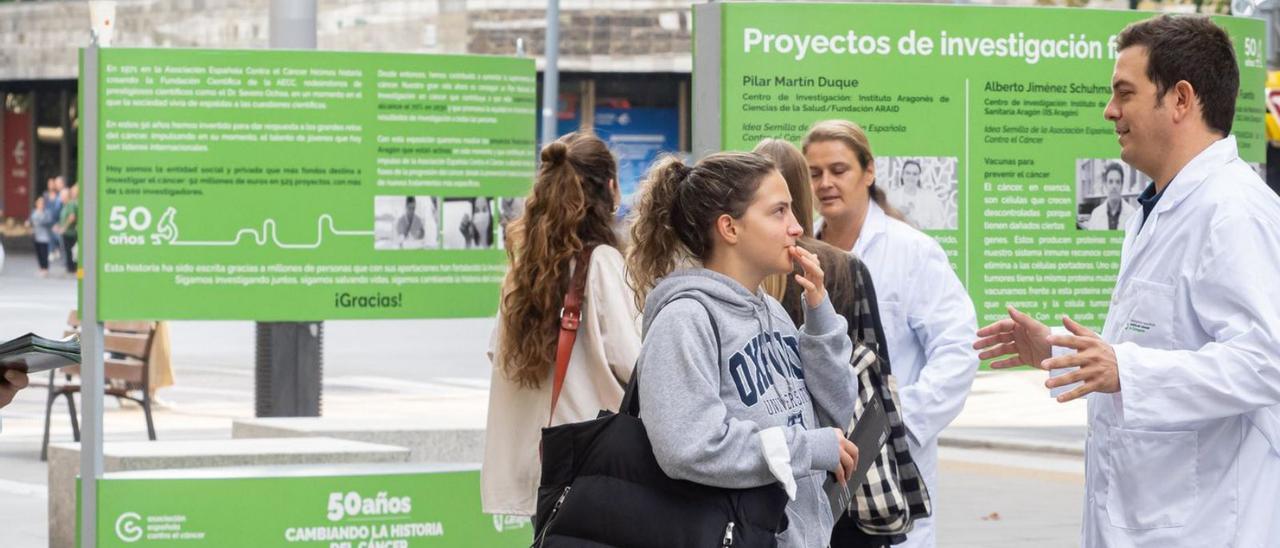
(834, 262)
(795, 170)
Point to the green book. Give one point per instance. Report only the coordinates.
(32, 353)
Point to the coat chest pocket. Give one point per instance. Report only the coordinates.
(1150, 317)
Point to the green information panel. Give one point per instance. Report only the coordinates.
(391, 510)
(987, 124)
(307, 185)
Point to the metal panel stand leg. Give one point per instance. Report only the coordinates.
(75, 422)
(146, 409)
(48, 418)
(289, 369)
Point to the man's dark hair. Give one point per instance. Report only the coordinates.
(1191, 48)
(1112, 166)
(410, 200)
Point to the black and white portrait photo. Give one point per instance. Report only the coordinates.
(468, 223)
(509, 209)
(923, 188)
(1106, 193)
(405, 222)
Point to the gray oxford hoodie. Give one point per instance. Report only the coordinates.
(713, 414)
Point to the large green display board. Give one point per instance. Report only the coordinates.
(987, 124)
(276, 185)
(399, 508)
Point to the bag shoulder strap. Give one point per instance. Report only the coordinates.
(570, 319)
(631, 397)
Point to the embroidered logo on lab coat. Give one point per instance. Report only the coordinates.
(1138, 326)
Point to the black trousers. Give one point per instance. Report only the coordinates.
(68, 242)
(42, 255)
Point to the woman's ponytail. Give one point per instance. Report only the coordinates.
(673, 219)
(655, 245)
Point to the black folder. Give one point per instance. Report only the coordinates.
(870, 433)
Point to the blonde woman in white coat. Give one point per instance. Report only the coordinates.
(571, 206)
(928, 317)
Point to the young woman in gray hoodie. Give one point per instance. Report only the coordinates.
(760, 407)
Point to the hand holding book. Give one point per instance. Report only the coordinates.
(31, 353)
(12, 381)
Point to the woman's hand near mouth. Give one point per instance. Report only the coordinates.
(811, 279)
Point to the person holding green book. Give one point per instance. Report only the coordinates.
(12, 382)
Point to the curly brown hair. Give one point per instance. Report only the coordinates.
(569, 208)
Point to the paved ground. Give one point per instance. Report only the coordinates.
(413, 362)
(988, 498)
(1001, 499)
(1013, 410)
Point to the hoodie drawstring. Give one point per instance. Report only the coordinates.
(777, 354)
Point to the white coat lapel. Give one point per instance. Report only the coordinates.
(1129, 249)
(873, 228)
(1139, 235)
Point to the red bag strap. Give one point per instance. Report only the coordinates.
(570, 319)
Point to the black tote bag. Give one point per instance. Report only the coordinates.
(602, 487)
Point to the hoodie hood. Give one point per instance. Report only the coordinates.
(715, 290)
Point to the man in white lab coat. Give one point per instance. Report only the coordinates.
(1183, 385)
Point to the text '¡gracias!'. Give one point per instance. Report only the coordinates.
(1015, 45)
(376, 300)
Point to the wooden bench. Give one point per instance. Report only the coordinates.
(128, 371)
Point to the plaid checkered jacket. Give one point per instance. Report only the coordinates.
(893, 495)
